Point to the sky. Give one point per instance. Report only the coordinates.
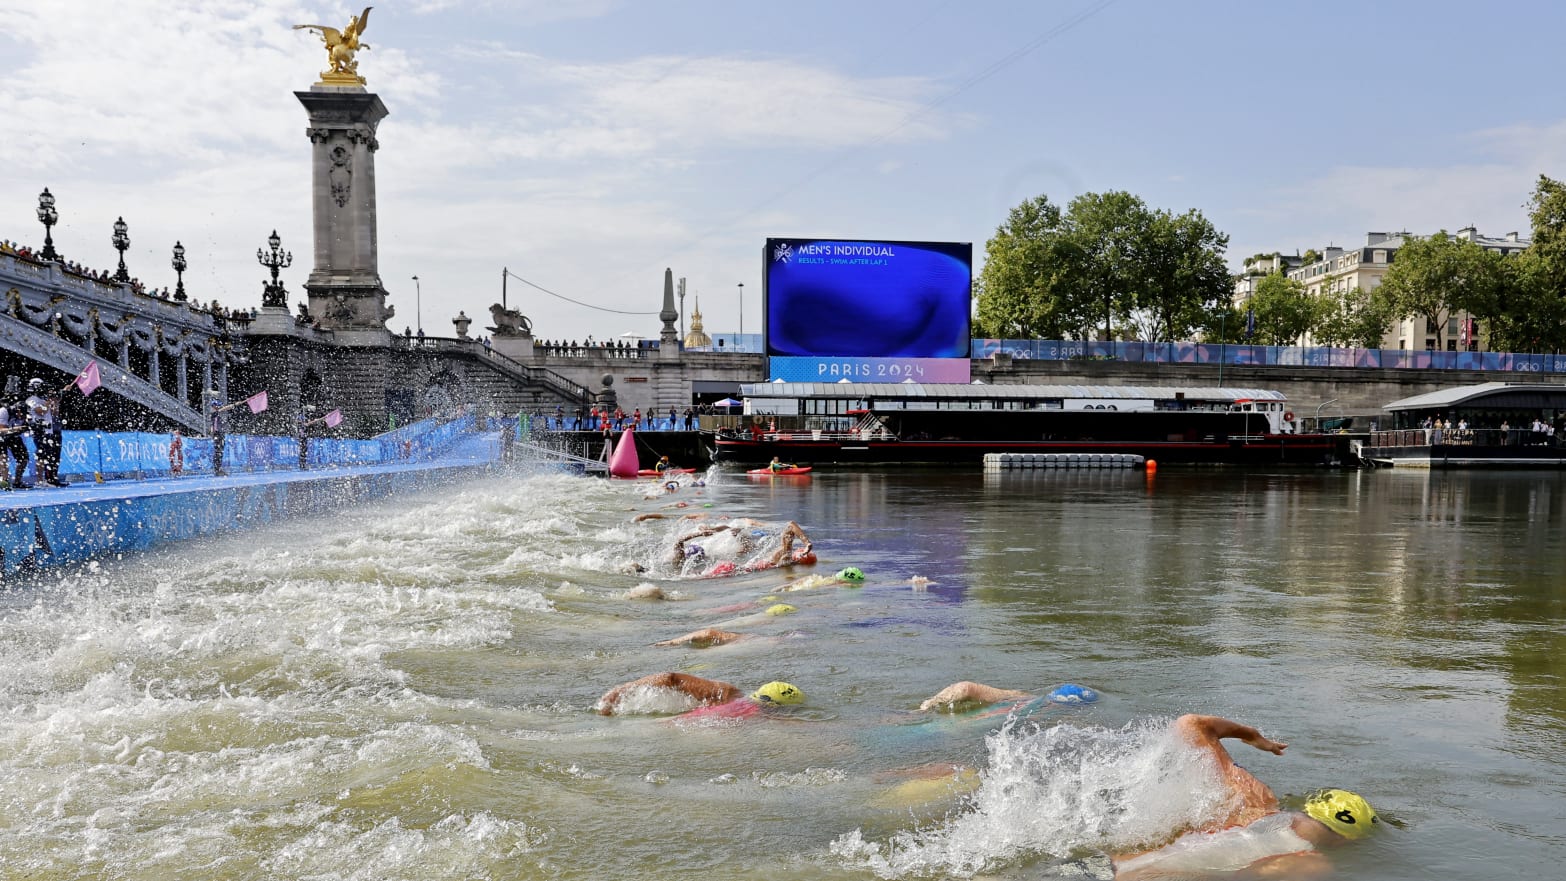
(585, 145)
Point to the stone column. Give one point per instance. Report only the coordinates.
(344, 286)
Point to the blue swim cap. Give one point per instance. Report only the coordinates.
(694, 551)
(757, 533)
(1072, 694)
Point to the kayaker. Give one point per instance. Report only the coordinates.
(662, 465)
(775, 466)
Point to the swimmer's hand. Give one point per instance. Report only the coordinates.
(970, 692)
(1271, 746)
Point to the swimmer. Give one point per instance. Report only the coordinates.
(959, 693)
(849, 576)
(708, 694)
(787, 554)
(703, 638)
(683, 547)
(1256, 838)
(646, 592)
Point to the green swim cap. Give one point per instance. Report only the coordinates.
(780, 609)
(778, 693)
(851, 573)
(1344, 812)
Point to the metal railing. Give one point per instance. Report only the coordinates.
(1461, 437)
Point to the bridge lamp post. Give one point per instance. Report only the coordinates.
(121, 242)
(274, 294)
(418, 305)
(48, 217)
(742, 312)
(179, 265)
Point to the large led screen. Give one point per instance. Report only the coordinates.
(831, 298)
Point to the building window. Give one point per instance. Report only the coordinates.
(1379, 256)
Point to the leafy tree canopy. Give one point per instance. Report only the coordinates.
(1107, 265)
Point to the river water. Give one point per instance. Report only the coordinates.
(406, 689)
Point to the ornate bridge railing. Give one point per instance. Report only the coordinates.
(63, 320)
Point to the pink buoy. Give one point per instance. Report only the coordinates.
(623, 462)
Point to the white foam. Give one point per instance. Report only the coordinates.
(1055, 791)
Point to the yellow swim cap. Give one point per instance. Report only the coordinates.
(778, 693)
(780, 609)
(1343, 812)
(852, 573)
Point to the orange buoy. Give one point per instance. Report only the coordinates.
(1152, 465)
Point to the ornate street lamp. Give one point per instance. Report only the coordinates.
(48, 217)
(275, 294)
(121, 243)
(179, 265)
(418, 305)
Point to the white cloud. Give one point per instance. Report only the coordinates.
(179, 115)
(1339, 206)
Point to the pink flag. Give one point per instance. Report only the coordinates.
(256, 402)
(334, 419)
(88, 380)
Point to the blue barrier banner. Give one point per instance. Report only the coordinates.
(79, 453)
(1136, 351)
(119, 453)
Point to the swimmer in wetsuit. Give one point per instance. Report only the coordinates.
(712, 697)
(787, 554)
(1255, 839)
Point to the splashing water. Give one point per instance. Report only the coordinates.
(1057, 792)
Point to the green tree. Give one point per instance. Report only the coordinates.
(1109, 231)
(1183, 276)
(1437, 277)
(1026, 263)
(1107, 264)
(1284, 311)
(1352, 318)
(1530, 314)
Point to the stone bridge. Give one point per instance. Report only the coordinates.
(156, 355)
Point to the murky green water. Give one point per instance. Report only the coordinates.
(406, 690)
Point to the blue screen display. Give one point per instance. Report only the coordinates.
(832, 297)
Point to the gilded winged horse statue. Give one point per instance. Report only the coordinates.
(340, 46)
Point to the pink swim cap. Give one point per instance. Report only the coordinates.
(727, 567)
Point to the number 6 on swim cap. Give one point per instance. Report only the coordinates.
(851, 573)
(1344, 812)
(778, 693)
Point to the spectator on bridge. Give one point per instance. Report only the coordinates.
(488, 346)
(636, 419)
(690, 418)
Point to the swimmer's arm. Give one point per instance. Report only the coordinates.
(1208, 730)
(971, 692)
(707, 636)
(640, 517)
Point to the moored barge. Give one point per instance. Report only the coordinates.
(911, 423)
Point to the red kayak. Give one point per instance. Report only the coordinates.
(781, 472)
(653, 472)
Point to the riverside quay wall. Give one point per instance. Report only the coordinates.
(404, 380)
